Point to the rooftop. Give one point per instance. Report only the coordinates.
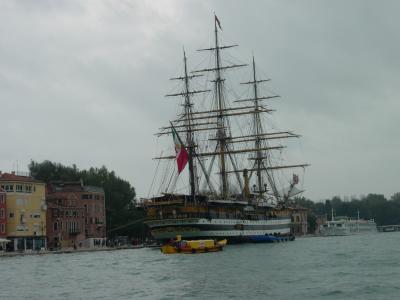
(72, 186)
(14, 177)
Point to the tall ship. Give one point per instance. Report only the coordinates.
(227, 177)
(347, 226)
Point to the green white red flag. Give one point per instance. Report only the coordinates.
(182, 155)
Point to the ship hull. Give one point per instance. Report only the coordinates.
(234, 230)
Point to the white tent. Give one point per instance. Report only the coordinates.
(4, 240)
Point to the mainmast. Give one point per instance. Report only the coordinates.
(221, 133)
(221, 112)
(257, 131)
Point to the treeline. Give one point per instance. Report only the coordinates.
(374, 206)
(119, 194)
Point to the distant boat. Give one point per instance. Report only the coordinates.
(347, 226)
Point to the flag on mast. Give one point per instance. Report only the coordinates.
(182, 155)
(217, 21)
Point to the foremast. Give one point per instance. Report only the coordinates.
(189, 134)
(188, 125)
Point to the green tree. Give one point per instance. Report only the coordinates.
(119, 194)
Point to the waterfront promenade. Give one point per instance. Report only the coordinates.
(68, 250)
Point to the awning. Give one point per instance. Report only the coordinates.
(4, 240)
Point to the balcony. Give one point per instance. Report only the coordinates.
(73, 231)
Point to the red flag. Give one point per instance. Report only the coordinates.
(182, 156)
(217, 21)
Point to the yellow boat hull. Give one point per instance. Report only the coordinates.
(192, 247)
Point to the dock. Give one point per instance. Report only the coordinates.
(388, 228)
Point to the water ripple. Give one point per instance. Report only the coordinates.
(358, 267)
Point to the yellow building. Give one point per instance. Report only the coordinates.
(26, 211)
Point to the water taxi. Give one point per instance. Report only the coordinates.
(193, 246)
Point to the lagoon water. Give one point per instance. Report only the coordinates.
(351, 267)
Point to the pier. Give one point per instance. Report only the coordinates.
(388, 228)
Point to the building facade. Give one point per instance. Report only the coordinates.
(75, 215)
(299, 221)
(3, 213)
(26, 211)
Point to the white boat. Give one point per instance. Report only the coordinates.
(347, 226)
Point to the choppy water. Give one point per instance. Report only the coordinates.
(352, 267)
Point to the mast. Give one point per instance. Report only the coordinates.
(188, 124)
(257, 132)
(189, 133)
(221, 134)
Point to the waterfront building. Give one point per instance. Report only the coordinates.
(75, 215)
(299, 221)
(320, 220)
(26, 211)
(3, 213)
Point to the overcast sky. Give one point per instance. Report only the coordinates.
(83, 82)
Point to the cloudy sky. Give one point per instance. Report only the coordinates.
(83, 82)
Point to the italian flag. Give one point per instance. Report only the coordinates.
(180, 151)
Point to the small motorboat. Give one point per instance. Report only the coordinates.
(192, 246)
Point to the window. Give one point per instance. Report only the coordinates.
(11, 215)
(85, 196)
(18, 188)
(28, 188)
(2, 228)
(1, 199)
(9, 188)
(1, 213)
(96, 197)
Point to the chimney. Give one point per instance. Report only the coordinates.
(13, 172)
(81, 183)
